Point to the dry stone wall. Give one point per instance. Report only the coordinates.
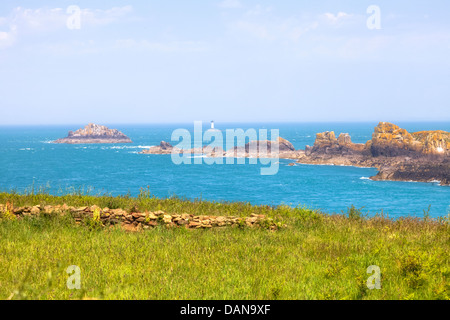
(135, 221)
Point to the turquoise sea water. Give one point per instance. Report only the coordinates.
(28, 158)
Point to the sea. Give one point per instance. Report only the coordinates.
(30, 161)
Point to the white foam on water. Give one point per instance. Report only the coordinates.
(364, 178)
(128, 147)
(197, 156)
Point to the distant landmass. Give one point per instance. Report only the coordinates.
(399, 155)
(94, 133)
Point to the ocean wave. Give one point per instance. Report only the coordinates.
(364, 178)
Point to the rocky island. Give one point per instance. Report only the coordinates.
(94, 133)
(251, 149)
(397, 154)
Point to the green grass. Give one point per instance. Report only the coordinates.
(316, 256)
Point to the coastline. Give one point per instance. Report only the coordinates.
(398, 155)
(63, 166)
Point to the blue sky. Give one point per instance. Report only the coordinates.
(227, 60)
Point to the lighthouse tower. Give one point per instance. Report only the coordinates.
(212, 125)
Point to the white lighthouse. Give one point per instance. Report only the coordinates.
(212, 125)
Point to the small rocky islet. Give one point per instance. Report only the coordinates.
(94, 133)
(252, 148)
(398, 154)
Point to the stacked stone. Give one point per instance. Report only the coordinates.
(143, 220)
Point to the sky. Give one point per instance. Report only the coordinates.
(66, 62)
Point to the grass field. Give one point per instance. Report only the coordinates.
(315, 256)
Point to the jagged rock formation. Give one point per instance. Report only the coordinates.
(327, 143)
(391, 141)
(94, 133)
(434, 142)
(400, 155)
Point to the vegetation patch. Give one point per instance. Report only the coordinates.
(310, 255)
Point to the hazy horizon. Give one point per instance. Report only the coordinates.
(114, 125)
(232, 61)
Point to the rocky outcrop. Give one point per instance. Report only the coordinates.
(137, 221)
(167, 148)
(165, 145)
(282, 144)
(163, 148)
(390, 140)
(94, 133)
(398, 154)
(325, 140)
(434, 142)
(265, 147)
(326, 143)
(252, 149)
(420, 171)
